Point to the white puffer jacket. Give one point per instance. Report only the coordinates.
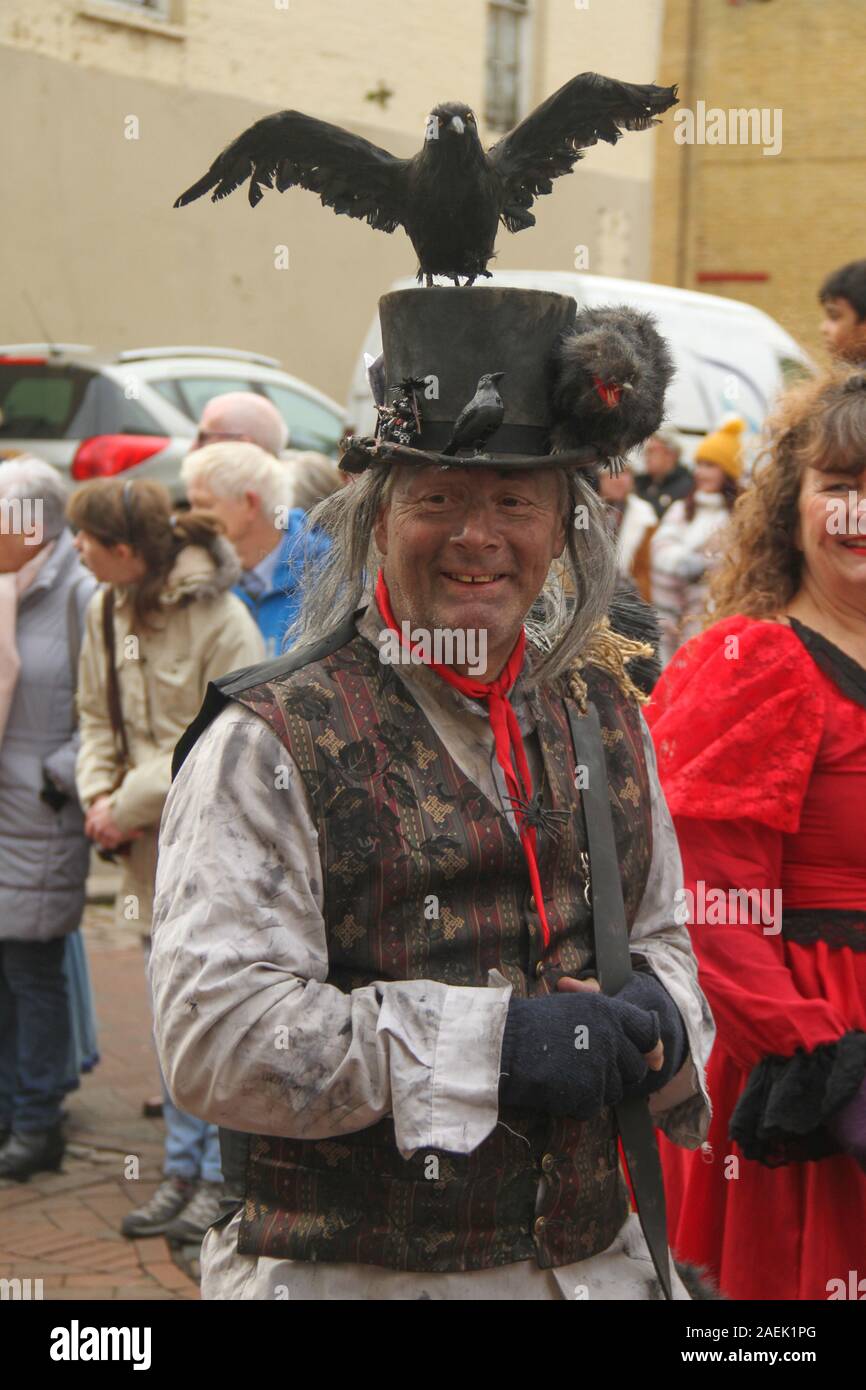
(682, 553)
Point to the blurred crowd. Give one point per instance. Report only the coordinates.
(112, 627)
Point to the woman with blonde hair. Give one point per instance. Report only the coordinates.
(760, 729)
(164, 624)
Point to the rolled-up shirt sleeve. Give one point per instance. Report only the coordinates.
(681, 1109)
(250, 1034)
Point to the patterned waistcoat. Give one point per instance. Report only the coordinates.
(424, 879)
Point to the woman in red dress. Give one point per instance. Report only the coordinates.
(760, 729)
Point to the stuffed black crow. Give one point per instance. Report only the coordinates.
(452, 194)
(480, 418)
(610, 374)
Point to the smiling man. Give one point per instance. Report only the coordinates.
(377, 964)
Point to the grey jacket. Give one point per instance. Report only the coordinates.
(44, 854)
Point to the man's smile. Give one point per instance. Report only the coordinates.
(459, 578)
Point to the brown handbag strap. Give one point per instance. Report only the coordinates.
(112, 685)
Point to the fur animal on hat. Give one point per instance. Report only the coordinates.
(610, 374)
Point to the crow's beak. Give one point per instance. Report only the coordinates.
(456, 123)
(496, 376)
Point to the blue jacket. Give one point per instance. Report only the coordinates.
(275, 609)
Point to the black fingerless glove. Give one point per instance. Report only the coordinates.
(574, 1053)
(645, 991)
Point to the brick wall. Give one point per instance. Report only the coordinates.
(795, 215)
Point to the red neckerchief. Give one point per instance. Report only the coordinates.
(506, 734)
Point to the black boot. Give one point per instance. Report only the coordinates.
(39, 1151)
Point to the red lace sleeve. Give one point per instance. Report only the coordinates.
(736, 719)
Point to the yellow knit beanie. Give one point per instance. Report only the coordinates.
(724, 448)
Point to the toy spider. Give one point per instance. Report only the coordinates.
(535, 817)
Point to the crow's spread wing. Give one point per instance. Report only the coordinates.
(549, 141)
(289, 149)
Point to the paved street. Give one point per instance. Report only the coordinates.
(63, 1228)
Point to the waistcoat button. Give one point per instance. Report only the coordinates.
(539, 1225)
(548, 1163)
(539, 969)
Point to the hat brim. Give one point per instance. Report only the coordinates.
(362, 453)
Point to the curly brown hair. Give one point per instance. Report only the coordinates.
(820, 424)
(139, 513)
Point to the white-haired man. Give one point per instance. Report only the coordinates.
(249, 490)
(390, 886)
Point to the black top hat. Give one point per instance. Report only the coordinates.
(510, 378)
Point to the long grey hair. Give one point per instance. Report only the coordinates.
(575, 596)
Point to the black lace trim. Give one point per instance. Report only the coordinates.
(781, 1115)
(837, 926)
(847, 673)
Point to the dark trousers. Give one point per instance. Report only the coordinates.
(34, 1033)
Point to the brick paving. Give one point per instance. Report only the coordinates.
(64, 1228)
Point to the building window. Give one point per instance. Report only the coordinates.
(163, 17)
(507, 25)
(158, 8)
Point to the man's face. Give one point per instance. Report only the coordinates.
(235, 513)
(216, 426)
(659, 459)
(843, 332)
(443, 529)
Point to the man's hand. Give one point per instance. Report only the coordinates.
(655, 1059)
(100, 825)
(575, 1052)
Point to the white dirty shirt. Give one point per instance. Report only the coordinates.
(239, 951)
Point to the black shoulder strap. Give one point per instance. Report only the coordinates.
(220, 691)
(613, 964)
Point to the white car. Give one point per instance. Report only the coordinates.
(96, 418)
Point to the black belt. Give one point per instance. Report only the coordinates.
(613, 963)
